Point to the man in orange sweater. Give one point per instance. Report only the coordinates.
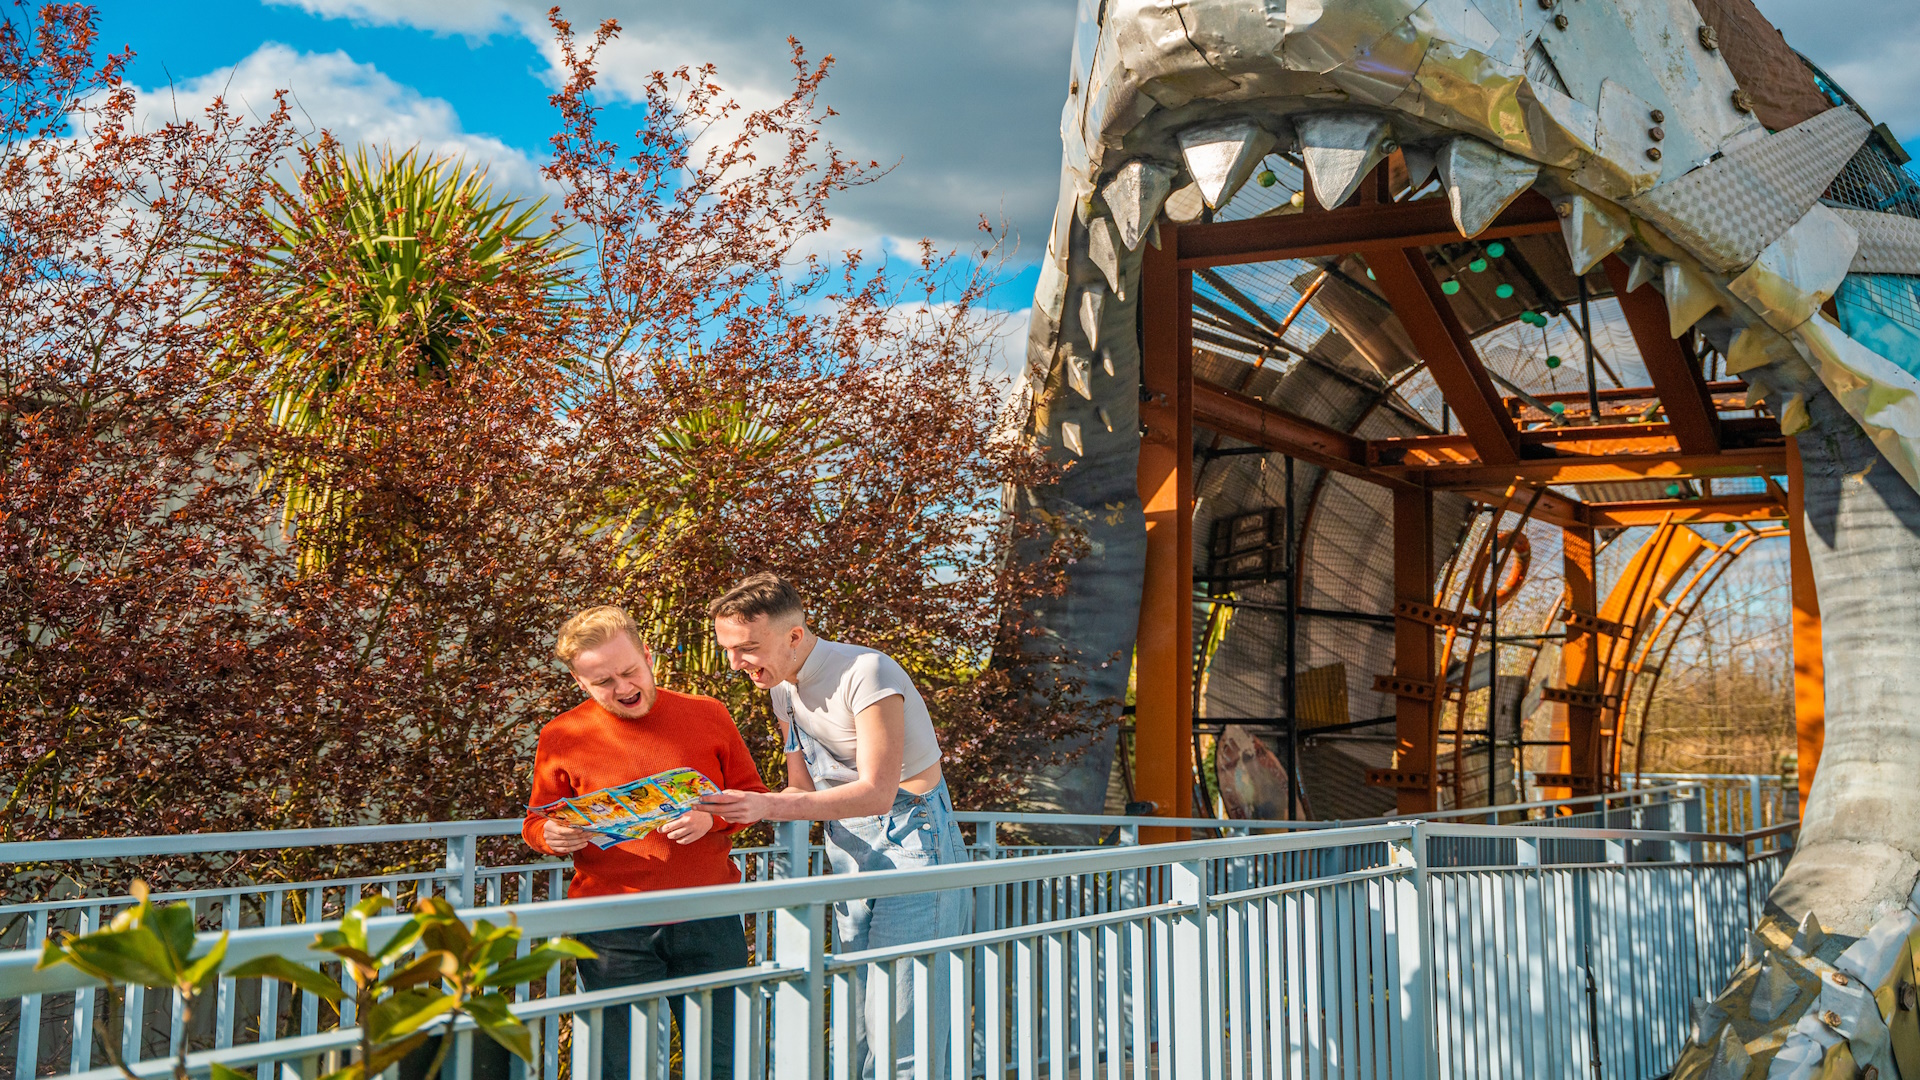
(627, 730)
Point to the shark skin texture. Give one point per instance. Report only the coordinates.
(1627, 115)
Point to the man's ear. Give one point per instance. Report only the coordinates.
(584, 688)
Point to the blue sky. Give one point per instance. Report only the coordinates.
(963, 98)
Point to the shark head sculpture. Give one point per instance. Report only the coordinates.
(1701, 165)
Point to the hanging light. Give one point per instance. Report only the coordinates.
(1496, 249)
(1477, 265)
(1450, 287)
(1504, 291)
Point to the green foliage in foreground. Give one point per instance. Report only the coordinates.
(435, 967)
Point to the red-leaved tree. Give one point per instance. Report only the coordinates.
(301, 474)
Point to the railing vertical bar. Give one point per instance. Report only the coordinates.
(226, 1005)
(845, 1054)
(1058, 1011)
(1233, 958)
(81, 1056)
(1086, 1001)
(1026, 991)
(1114, 1000)
(26, 1053)
(993, 990)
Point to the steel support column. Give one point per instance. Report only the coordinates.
(1578, 724)
(1163, 657)
(1416, 710)
(1809, 671)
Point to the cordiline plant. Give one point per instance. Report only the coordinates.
(433, 968)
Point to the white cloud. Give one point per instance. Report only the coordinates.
(356, 102)
(461, 17)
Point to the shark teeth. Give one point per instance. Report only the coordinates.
(1730, 1060)
(1689, 297)
(1773, 991)
(1070, 438)
(1080, 375)
(1339, 150)
(1102, 248)
(1134, 196)
(1807, 939)
(1481, 181)
(1799, 271)
(1093, 303)
(1222, 156)
(1708, 1018)
(1591, 233)
(1642, 271)
(1420, 162)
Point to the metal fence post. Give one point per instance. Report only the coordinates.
(799, 1005)
(794, 839)
(1414, 1046)
(460, 859)
(1190, 974)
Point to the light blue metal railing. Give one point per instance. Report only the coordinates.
(1339, 952)
(1037, 894)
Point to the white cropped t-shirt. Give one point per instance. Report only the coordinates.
(837, 681)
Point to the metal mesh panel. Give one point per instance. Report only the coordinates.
(1871, 181)
(1892, 296)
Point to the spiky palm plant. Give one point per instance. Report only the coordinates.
(396, 265)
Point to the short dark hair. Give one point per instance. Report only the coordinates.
(762, 594)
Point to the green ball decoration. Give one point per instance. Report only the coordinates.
(1496, 249)
(1266, 178)
(1553, 361)
(1477, 265)
(1533, 318)
(1673, 490)
(1449, 287)
(1370, 276)
(1728, 527)
(1559, 408)
(1504, 291)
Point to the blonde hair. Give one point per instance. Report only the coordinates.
(591, 629)
(762, 594)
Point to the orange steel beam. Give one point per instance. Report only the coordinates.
(1163, 698)
(1613, 468)
(1365, 227)
(1254, 421)
(1710, 511)
(1416, 710)
(1444, 344)
(1578, 724)
(1809, 668)
(1593, 440)
(1722, 388)
(1683, 391)
(1552, 507)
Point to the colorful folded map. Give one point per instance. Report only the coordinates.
(616, 815)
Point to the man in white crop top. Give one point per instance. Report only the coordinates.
(862, 757)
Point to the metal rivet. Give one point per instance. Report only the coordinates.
(1743, 101)
(1565, 209)
(1840, 979)
(1909, 996)
(1653, 153)
(1657, 116)
(1547, 4)
(1831, 1018)
(1560, 22)
(1709, 37)
(1656, 133)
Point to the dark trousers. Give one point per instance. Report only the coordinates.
(650, 953)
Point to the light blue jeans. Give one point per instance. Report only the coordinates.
(919, 831)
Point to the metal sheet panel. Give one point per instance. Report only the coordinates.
(1728, 211)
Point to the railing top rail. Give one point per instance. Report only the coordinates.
(588, 914)
(134, 847)
(1015, 818)
(126, 847)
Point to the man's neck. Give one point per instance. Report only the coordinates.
(802, 652)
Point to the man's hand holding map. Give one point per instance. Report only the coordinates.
(617, 814)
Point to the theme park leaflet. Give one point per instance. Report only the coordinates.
(617, 814)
